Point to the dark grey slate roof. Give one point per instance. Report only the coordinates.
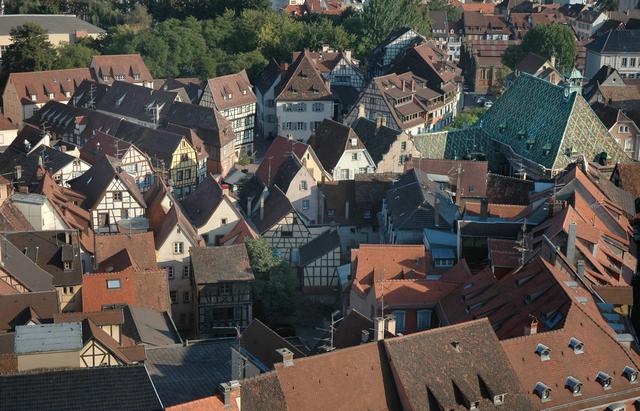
(223, 263)
(263, 393)
(377, 140)
(48, 250)
(52, 23)
(187, 373)
(617, 41)
(319, 246)
(18, 265)
(88, 93)
(13, 306)
(209, 124)
(139, 102)
(287, 172)
(79, 389)
(150, 327)
(268, 76)
(411, 201)
(201, 204)
(276, 204)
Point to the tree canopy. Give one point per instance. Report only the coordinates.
(546, 40)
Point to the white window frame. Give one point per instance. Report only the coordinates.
(178, 247)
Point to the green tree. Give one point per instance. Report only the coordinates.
(453, 13)
(497, 87)
(546, 40)
(73, 55)
(380, 17)
(30, 50)
(466, 118)
(275, 286)
(608, 5)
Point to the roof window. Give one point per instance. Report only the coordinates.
(544, 352)
(522, 134)
(604, 379)
(577, 345)
(630, 374)
(503, 127)
(543, 391)
(574, 385)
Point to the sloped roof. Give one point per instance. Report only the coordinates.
(473, 174)
(616, 41)
(159, 145)
(629, 176)
(103, 143)
(52, 23)
(276, 205)
(240, 232)
(209, 124)
(330, 140)
(531, 63)
(279, 150)
(128, 65)
(150, 327)
(268, 76)
(93, 388)
(87, 93)
(200, 205)
(262, 342)
(139, 102)
(303, 81)
(43, 303)
(48, 337)
(319, 246)
(222, 263)
(43, 83)
(93, 183)
(377, 140)
(508, 190)
(139, 246)
(231, 90)
(438, 369)
(11, 219)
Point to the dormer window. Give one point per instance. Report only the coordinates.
(120, 77)
(67, 94)
(630, 374)
(354, 142)
(67, 265)
(303, 75)
(50, 96)
(136, 76)
(604, 379)
(543, 392)
(576, 345)
(546, 149)
(503, 127)
(521, 134)
(498, 399)
(105, 78)
(244, 91)
(574, 385)
(530, 143)
(544, 352)
(34, 97)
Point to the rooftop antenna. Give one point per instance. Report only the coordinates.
(2, 7)
(92, 91)
(521, 245)
(330, 346)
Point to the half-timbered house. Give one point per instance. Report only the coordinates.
(174, 236)
(127, 155)
(233, 96)
(277, 221)
(341, 151)
(390, 48)
(170, 153)
(319, 260)
(222, 279)
(211, 210)
(404, 102)
(111, 195)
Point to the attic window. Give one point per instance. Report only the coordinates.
(530, 143)
(574, 385)
(67, 265)
(521, 134)
(34, 97)
(136, 76)
(543, 392)
(303, 75)
(244, 91)
(67, 94)
(113, 284)
(604, 379)
(630, 374)
(546, 149)
(50, 96)
(576, 345)
(544, 352)
(119, 77)
(354, 142)
(503, 127)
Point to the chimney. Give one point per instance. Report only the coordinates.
(391, 324)
(571, 243)
(403, 85)
(436, 211)
(321, 203)
(364, 337)
(532, 327)
(18, 171)
(580, 269)
(346, 210)
(287, 356)
(552, 60)
(413, 85)
(230, 391)
(225, 189)
(249, 199)
(378, 122)
(378, 329)
(484, 208)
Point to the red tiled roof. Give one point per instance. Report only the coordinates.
(484, 8)
(128, 65)
(232, 90)
(278, 152)
(240, 232)
(473, 176)
(507, 211)
(139, 246)
(5, 124)
(213, 403)
(303, 81)
(43, 83)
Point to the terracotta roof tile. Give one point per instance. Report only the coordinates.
(303, 81)
(232, 90)
(43, 83)
(131, 66)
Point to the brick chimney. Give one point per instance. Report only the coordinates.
(225, 189)
(532, 327)
(571, 242)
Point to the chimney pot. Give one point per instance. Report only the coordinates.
(484, 208)
(378, 329)
(228, 390)
(287, 356)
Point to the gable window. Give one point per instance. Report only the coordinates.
(424, 319)
(223, 221)
(178, 247)
(34, 97)
(399, 315)
(303, 185)
(117, 196)
(67, 265)
(331, 212)
(50, 96)
(179, 175)
(623, 129)
(185, 271)
(403, 146)
(224, 288)
(136, 76)
(628, 144)
(113, 284)
(184, 157)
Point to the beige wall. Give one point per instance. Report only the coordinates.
(390, 162)
(214, 226)
(626, 131)
(58, 359)
(70, 298)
